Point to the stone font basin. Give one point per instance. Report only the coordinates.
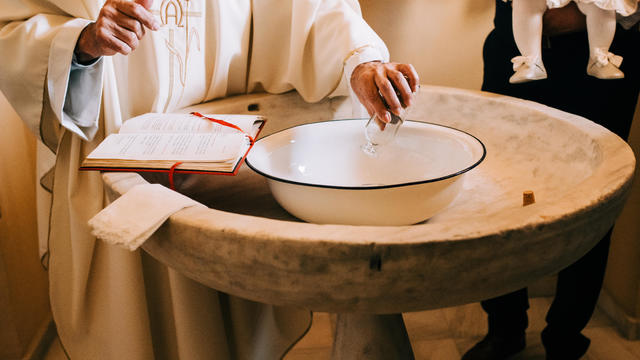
(483, 244)
(319, 173)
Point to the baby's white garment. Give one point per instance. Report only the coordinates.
(622, 7)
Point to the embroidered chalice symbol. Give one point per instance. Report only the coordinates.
(175, 14)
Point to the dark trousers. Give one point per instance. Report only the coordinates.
(610, 103)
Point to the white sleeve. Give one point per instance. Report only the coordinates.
(359, 56)
(36, 55)
(75, 90)
(83, 98)
(318, 44)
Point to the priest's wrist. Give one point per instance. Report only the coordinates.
(85, 50)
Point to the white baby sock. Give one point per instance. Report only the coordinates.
(527, 25)
(601, 27)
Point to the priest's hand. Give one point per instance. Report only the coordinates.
(118, 29)
(383, 87)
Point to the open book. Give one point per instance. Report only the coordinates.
(156, 142)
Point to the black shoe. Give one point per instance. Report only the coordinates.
(564, 345)
(494, 347)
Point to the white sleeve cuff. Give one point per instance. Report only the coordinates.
(76, 65)
(75, 90)
(359, 56)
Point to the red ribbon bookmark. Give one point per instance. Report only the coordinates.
(171, 172)
(217, 121)
(224, 123)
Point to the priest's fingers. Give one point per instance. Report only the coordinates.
(137, 12)
(146, 3)
(401, 85)
(411, 75)
(118, 29)
(128, 40)
(132, 25)
(373, 100)
(364, 86)
(395, 83)
(97, 40)
(387, 90)
(404, 80)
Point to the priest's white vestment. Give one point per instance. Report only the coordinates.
(109, 303)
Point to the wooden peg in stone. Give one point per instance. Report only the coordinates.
(528, 198)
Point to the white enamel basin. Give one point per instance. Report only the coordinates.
(318, 172)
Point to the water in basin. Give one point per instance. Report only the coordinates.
(319, 173)
(432, 152)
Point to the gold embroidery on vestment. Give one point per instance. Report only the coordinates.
(175, 14)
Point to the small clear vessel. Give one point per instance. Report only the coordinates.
(378, 133)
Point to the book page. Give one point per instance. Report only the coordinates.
(203, 147)
(187, 123)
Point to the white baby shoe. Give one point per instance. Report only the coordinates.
(605, 65)
(527, 68)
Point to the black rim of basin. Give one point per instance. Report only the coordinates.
(462, 171)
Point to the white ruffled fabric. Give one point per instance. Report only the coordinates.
(622, 7)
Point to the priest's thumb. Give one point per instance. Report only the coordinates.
(146, 3)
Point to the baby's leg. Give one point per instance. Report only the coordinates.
(601, 28)
(527, 25)
(527, 31)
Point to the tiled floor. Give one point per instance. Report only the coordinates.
(446, 333)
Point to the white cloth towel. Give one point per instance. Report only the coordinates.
(137, 214)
